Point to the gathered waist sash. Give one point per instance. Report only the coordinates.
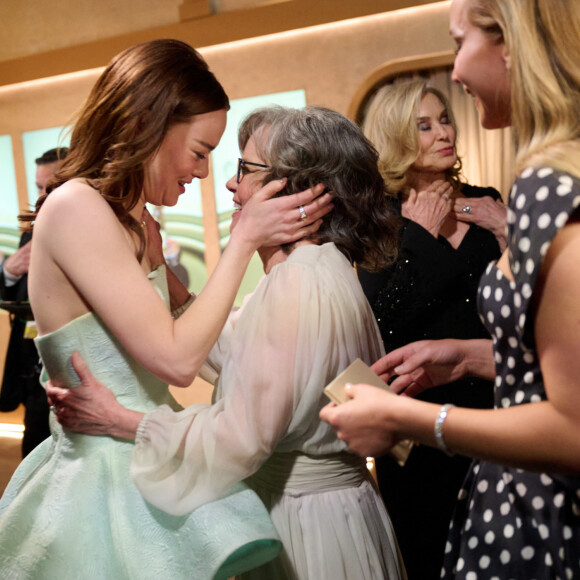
(301, 473)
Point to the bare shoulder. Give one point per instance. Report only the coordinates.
(74, 204)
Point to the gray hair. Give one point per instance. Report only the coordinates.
(317, 145)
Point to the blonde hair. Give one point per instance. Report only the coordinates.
(391, 125)
(542, 39)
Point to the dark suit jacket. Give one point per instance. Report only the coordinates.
(21, 370)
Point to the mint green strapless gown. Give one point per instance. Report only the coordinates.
(71, 510)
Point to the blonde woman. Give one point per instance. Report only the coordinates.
(451, 231)
(519, 513)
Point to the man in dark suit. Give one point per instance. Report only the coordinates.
(22, 368)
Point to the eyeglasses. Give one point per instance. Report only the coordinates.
(243, 168)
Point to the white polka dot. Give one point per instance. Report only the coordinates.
(567, 532)
(471, 576)
(499, 486)
(545, 479)
(498, 331)
(544, 248)
(526, 172)
(535, 399)
(520, 395)
(513, 341)
(506, 311)
(545, 171)
(482, 486)
(484, 562)
(530, 266)
(538, 502)
(529, 378)
(472, 542)
(524, 244)
(510, 379)
(448, 548)
(489, 537)
(519, 522)
(460, 564)
(498, 295)
(490, 317)
(524, 221)
(564, 188)
(566, 180)
(511, 362)
(541, 194)
(511, 217)
(548, 559)
(576, 202)
(561, 220)
(544, 531)
(505, 557)
(569, 573)
(497, 357)
(521, 489)
(522, 320)
(487, 516)
(505, 402)
(559, 500)
(520, 201)
(508, 477)
(508, 531)
(544, 221)
(468, 524)
(528, 553)
(486, 292)
(526, 290)
(528, 357)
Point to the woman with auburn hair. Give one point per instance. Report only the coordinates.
(71, 509)
(306, 322)
(451, 231)
(518, 515)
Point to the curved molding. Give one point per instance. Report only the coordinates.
(383, 73)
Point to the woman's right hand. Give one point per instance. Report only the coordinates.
(271, 221)
(429, 207)
(91, 408)
(425, 364)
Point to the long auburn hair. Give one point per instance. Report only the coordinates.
(143, 92)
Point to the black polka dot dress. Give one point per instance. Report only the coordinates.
(511, 523)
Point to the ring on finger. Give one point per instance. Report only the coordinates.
(54, 409)
(303, 215)
(466, 209)
(445, 196)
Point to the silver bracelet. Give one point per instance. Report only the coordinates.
(438, 428)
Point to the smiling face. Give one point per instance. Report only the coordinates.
(436, 136)
(482, 67)
(250, 182)
(182, 156)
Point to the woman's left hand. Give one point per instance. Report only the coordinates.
(485, 212)
(272, 221)
(90, 408)
(362, 422)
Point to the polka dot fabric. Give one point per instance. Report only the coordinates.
(511, 523)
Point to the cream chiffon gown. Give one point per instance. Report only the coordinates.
(307, 321)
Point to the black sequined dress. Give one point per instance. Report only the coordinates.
(430, 293)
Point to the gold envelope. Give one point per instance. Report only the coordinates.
(360, 372)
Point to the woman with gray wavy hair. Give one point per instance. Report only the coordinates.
(306, 322)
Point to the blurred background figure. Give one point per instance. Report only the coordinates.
(451, 231)
(20, 383)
